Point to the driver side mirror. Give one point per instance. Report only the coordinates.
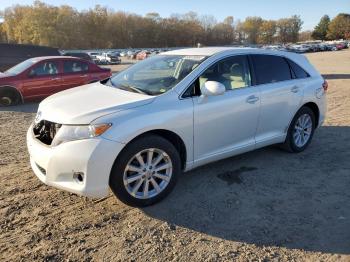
(212, 88)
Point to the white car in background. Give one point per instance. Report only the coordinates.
(174, 112)
(300, 48)
(130, 53)
(108, 58)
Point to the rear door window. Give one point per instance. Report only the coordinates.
(297, 70)
(271, 69)
(74, 67)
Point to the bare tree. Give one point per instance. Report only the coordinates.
(100, 27)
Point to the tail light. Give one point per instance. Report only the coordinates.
(325, 86)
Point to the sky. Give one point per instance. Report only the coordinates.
(310, 11)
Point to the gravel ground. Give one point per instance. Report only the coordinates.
(267, 205)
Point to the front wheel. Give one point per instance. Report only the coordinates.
(300, 131)
(145, 171)
(9, 97)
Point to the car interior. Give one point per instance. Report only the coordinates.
(73, 67)
(232, 73)
(47, 68)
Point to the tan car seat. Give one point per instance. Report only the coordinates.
(234, 79)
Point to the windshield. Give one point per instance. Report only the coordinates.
(156, 75)
(17, 69)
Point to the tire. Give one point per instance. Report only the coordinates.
(291, 143)
(127, 159)
(9, 97)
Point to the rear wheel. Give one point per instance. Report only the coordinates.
(145, 171)
(300, 131)
(9, 97)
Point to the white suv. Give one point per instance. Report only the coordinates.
(137, 131)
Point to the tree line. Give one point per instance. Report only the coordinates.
(337, 28)
(66, 28)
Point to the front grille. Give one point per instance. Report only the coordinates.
(42, 170)
(45, 131)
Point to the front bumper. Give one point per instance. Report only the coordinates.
(58, 166)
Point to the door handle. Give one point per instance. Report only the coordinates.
(56, 78)
(252, 99)
(83, 75)
(295, 89)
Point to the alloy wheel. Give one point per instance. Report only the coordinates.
(302, 130)
(148, 173)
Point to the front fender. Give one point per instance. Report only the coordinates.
(167, 114)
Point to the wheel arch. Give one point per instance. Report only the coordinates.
(12, 88)
(314, 108)
(172, 137)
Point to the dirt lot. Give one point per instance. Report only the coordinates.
(266, 205)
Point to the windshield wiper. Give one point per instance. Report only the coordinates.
(128, 88)
(135, 89)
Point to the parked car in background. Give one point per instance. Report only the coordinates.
(114, 53)
(81, 55)
(108, 58)
(323, 47)
(130, 53)
(173, 112)
(134, 54)
(333, 47)
(316, 46)
(340, 46)
(143, 55)
(300, 48)
(12, 54)
(93, 56)
(43, 76)
(154, 52)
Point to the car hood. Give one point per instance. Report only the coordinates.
(82, 105)
(4, 75)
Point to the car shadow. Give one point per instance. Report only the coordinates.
(25, 108)
(270, 197)
(336, 76)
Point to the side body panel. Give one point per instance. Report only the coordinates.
(225, 123)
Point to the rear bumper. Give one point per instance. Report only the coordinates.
(322, 105)
(58, 166)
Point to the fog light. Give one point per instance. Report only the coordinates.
(78, 177)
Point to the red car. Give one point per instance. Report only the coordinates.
(143, 55)
(340, 46)
(43, 76)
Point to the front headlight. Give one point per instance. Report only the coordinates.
(70, 133)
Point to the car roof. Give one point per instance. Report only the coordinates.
(75, 53)
(204, 51)
(41, 58)
(210, 51)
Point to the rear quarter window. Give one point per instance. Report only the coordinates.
(271, 69)
(298, 71)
